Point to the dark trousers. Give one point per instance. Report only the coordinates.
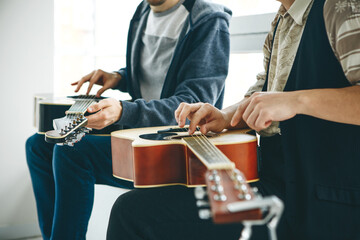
(167, 213)
(63, 180)
(170, 213)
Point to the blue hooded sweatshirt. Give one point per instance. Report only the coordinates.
(197, 71)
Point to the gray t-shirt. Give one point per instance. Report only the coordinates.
(158, 45)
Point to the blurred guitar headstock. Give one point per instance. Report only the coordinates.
(68, 130)
(226, 186)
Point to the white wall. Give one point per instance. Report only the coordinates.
(26, 68)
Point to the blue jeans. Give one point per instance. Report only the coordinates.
(63, 180)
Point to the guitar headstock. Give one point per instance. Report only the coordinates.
(232, 200)
(225, 187)
(71, 128)
(68, 130)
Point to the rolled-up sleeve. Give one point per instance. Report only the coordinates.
(342, 20)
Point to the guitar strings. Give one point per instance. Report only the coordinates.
(207, 146)
(80, 106)
(218, 155)
(230, 172)
(200, 140)
(222, 157)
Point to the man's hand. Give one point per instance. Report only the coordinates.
(100, 77)
(204, 115)
(262, 108)
(107, 111)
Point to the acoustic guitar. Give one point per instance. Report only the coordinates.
(49, 118)
(158, 156)
(224, 162)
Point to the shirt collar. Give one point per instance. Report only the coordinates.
(296, 11)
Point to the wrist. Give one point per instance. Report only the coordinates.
(302, 101)
(117, 76)
(120, 113)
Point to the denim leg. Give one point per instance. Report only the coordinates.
(39, 159)
(76, 170)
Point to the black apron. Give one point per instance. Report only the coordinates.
(314, 165)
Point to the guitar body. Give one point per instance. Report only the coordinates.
(151, 163)
(48, 108)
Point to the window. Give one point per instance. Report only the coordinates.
(89, 34)
(249, 26)
(250, 7)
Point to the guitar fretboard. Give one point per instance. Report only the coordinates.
(208, 153)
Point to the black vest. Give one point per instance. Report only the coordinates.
(314, 166)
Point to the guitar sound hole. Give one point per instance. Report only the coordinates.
(156, 136)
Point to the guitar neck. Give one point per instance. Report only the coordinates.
(208, 153)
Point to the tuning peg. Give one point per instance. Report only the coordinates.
(220, 197)
(256, 192)
(237, 176)
(86, 130)
(246, 196)
(217, 188)
(241, 187)
(214, 177)
(200, 193)
(202, 203)
(204, 214)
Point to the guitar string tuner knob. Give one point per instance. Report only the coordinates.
(248, 196)
(202, 203)
(200, 193)
(214, 178)
(204, 214)
(220, 197)
(217, 188)
(244, 188)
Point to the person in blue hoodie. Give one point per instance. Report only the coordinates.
(177, 51)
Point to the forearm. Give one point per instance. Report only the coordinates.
(338, 105)
(141, 113)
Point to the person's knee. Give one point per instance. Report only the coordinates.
(125, 208)
(123, 217)
(120, 207)
(64, 155)
(34, 148)
(72, 160)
